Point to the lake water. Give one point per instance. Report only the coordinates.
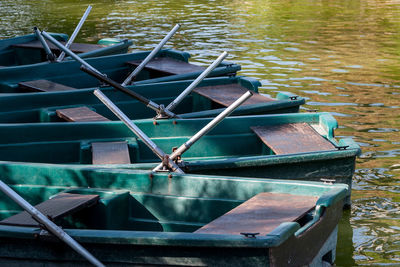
(343, 56)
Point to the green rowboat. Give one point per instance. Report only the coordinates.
(46, 107)
(127, 217)
(168, 65)
(285, 146)
(27, 50)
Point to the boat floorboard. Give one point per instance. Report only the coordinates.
(168, 66)
(292, 138)
(226, 94)
(261, 214)
(59, 206)
(110, 153)
(80, 114)
(75, 47)
(43, 86)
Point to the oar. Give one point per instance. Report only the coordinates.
(86, 67)
(50, 226)
(164, 157)
(161, 110)
(68, 52)
(184, 147)
(75, 33)
(134, 73)
(47, 50)
(196, 82)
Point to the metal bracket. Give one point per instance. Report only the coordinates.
(328, 181)
(250, 235)
(342, 147)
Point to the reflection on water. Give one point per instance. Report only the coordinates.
(343, 56)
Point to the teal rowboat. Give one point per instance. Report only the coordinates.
(43, 107)
(27, 50)
(289, 146)
(139, 217)
(168, 65)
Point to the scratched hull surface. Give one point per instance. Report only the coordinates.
(14, 54)
(115, 67)
(149, 218)
(34, 107)
(230, 148)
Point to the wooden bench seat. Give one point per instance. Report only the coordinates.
(226, 94)
(59, 206)
(75, 47)
(80, 114)
(261, 214)
(43, 86)
(292, 138)
(168, 66)
(110, 153)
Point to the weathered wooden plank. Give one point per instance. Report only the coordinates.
(43, 86)
(75, 47)
(292, 138)
(59, 206)
(110, 153)
(168, 66)
(226, 94)
(79, 114)
(261, 214)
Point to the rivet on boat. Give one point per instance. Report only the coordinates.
(250, 235)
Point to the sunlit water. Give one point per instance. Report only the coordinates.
(343, 56)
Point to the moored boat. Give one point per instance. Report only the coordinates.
(295, 146)
(27, 50)
(168, 65)
(207, 100)
(127, 217)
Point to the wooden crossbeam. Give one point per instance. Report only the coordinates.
(292, 138)
(260, 214)
(80, 114)
(110, 153)
(57, 207)
(226, 94)
(168, 66)
(43, 86)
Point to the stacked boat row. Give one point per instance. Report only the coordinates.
(151, 172)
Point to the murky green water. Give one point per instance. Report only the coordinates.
(344, 56)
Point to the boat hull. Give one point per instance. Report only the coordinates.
(311, 241)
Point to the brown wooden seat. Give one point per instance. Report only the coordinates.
(110, 153)
(168, 66)
(75, 47)
(59, 206)
(261, 214)
(226, 94)
(80, 114)
(43, 86)
(292, 138)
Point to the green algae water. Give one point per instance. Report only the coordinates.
(343, 56)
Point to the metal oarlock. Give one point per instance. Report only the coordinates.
(152, 54)
(48, 224)
(184, 147)
(49, 54)
(156, 150)
(75, 33)
(68, 52)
